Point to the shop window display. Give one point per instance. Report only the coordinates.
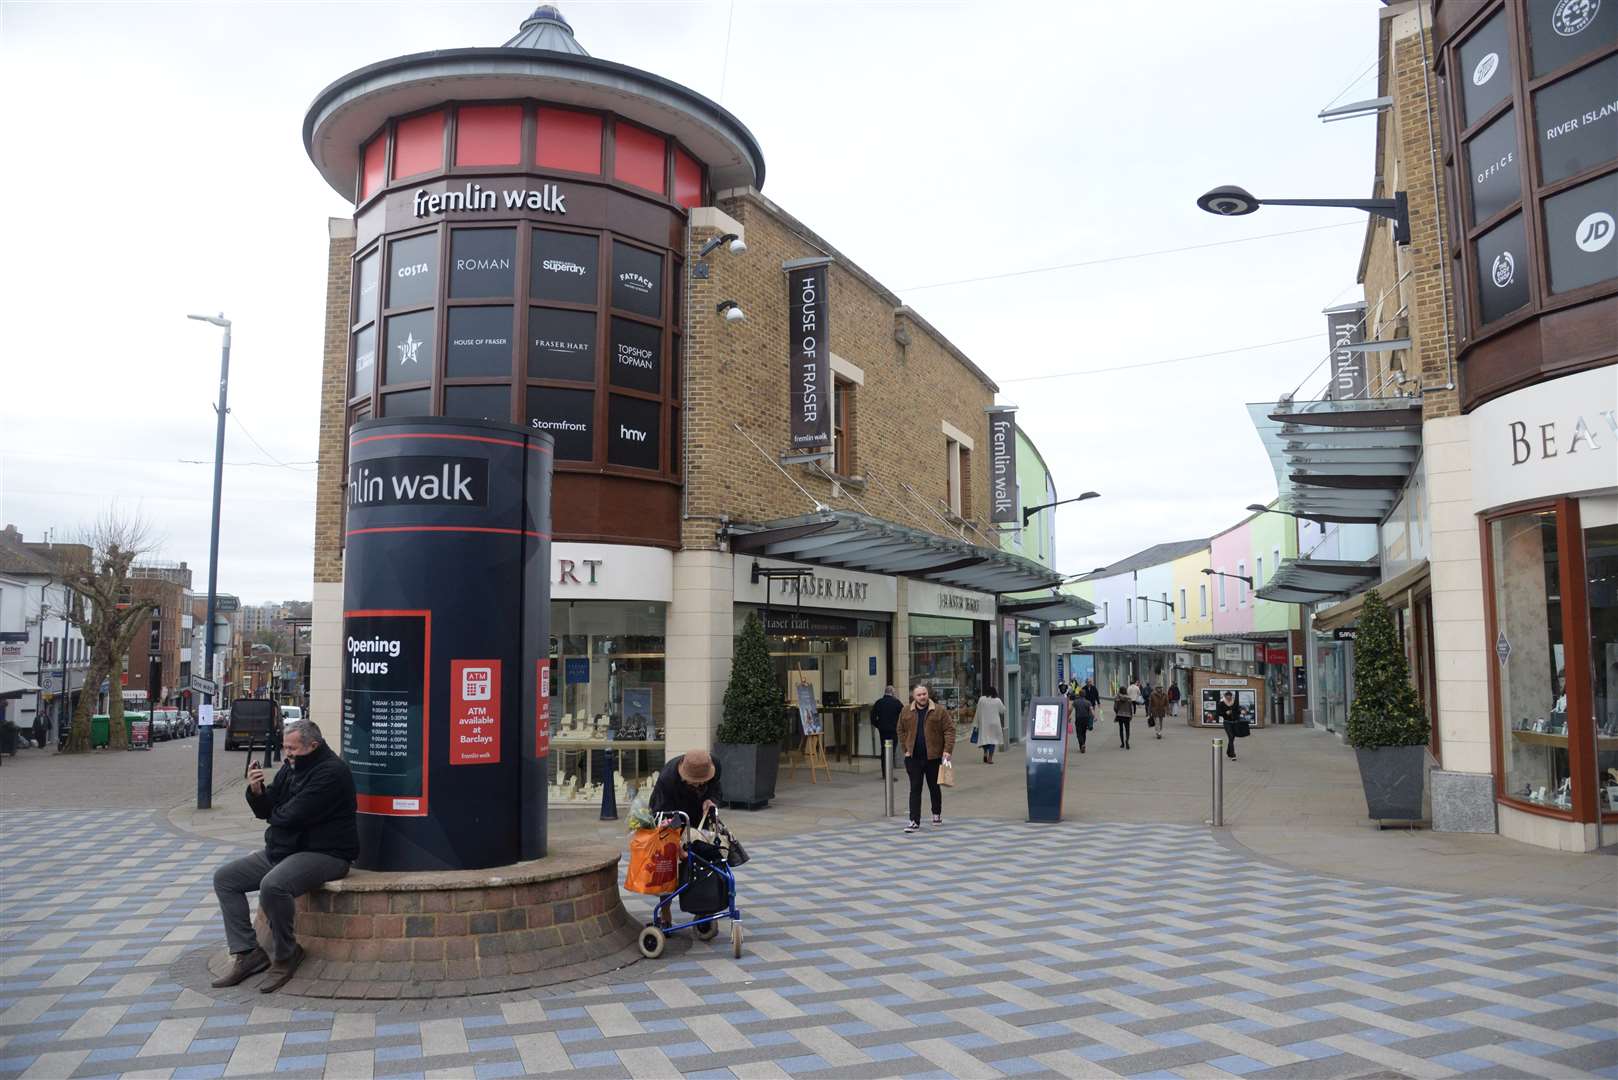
(1525, 561)
(833, 654)
(944, 654)
(1601, 573)
(607, 695)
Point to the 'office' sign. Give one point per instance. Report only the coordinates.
(809, 359)
(1003, 467)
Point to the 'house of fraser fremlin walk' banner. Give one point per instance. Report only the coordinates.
(809, 358)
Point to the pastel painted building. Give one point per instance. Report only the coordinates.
(1231, 552)
(1193, 595)
(1154, 621)
(1274, 538)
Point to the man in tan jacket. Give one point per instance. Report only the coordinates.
(927, 737)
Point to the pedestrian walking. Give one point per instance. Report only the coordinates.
(990, 723)
(1157, 709)
(1084, 717)
(41, 729)
(1135, 694)
(885, 718)
(1092, 692)
(927, 734)
(1174, 699)
(311, 839)
(1123, 711)
(1227, 712)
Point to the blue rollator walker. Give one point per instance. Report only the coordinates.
(707, 892)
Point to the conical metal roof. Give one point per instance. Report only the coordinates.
(546, 29)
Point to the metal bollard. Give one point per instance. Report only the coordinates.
(1218, 783)
(887, 777)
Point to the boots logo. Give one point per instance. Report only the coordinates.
(1485, 69)
(1594, 232)
(638, 282)
(1573, 16)
(1505, 270)
(419, 481)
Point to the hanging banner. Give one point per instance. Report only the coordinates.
(1003, 509)
(1346, 326)
(809, 356)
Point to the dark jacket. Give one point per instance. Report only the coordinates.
(939, 732)
(671, 794)
(1227, 713)
(1083, 714)
(310, 806)
(885, 715)
(1093, 693)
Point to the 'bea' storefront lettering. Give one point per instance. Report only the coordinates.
(1546, 443)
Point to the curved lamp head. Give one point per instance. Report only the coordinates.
(731, 310)
(1258, 508)
(1228, 201)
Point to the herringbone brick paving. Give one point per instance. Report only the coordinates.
(983, 949)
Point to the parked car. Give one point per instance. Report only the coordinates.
(253, 722)
(291, 712)
(162, 726)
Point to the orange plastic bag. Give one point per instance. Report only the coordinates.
(654, 861)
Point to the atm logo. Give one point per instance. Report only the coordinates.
(419, 481)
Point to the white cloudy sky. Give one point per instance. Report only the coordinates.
(158, 169)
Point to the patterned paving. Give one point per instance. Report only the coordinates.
(985, 949)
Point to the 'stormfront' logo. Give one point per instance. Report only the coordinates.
(1505, 270)
(1572, 16)
(1485, 69)
(1594, 232)
(408, 348)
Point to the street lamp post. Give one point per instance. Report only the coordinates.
(205, 732)
(1232, 201)
(1166, 603)
(1030, 511)
(1238, 577)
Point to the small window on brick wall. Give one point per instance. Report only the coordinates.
(965, 507)
(843, 429)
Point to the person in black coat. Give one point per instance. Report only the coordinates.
(312, 838)
(1227, 712)
(688, 784)
(885, 718)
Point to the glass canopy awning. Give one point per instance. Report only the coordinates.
(857, 542)
(1340, 461)
(1058, 608)
(1308, 581)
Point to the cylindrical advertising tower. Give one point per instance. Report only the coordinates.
(446, 640)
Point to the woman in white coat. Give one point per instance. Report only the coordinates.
(990, 722)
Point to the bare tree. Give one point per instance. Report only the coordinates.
(107, 616)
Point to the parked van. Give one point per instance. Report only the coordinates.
(253, 722)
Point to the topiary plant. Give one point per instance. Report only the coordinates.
(1386, 710)
(753, 713)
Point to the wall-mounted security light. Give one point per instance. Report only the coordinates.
(738, 246)
(731, 310)
(1232, 201)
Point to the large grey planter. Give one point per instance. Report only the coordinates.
(1393, 777)
(747, 773)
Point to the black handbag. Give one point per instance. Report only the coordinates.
(706, 890)
(1241, 729)
(735, 854)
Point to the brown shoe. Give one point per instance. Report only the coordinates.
(281, 971)
(244, 966)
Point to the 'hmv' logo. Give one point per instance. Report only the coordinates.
(419, 481)
(631, 434)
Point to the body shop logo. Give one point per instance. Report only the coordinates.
(636, 282)
(1594, 232)
(1485, 69)
(563, 266)
(419, 481)
(1504, 271)
(1573, 16)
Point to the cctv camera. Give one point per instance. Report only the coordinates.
(1228, 201)
(738, 246)
(734, 314)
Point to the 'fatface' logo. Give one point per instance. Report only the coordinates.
(1594, 232)
(408, 348)
(1485, 69)
(639, 283)
(1505, 270)
(1573, 16)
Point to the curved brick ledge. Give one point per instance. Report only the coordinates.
(451, 933)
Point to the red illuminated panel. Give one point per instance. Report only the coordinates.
(418, 145)
(568, 140)
(489, 135)
(374, 160)
(687, 180)
(639, 158)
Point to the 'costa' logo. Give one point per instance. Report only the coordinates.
(1594, 232)
(1573, 16)
(412, 270)
(1485, 69)
(1505, 270)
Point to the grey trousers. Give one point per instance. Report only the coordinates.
(278, 885)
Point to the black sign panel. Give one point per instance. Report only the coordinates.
(1484, 70)
(1579, 230)
(408, 403)
(561, 344)
(384, 737)
(1345, 327)
(364, 362)
(1561, 31)
(637, 280)
(568, 415)
(564, 267)
(809, 355)
(1576, 121)
(419, 481)
(478, 402)
(479, 342)
(637, 356)
(1003, 468)
(1502, 270)
(1493, 177)
(481, 261)
(413, 272)
(365, 285)
(634, 437)
(779, 622)
(410, 348)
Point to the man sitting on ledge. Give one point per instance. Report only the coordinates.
(312, 837)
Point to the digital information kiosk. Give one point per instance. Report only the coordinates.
(1047, 758)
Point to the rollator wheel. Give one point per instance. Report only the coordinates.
(652, 941)
(707, 931)
(736, 939)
